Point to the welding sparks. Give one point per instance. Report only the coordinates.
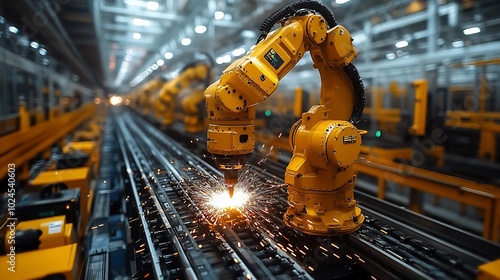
(223, 201)
(251, 198)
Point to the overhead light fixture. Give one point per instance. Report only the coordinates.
(185, 41)
(160, 62)
(200, 29)
(401, 44)
(458, 44)
(42, 51)
(154, 66)
(472, 30)
(238, 51)
(137, 35)
(136, 3)
(129, 51)
(248, 33)
(340, 2)
(153, 6)
(141, 22)
(218, 15)
(34, 44)
(390, 56)
(13, 29)
(168, 55)
(223, 59)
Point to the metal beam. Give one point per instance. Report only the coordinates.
(126, 27)
(137, 13)
(53, 30)
(410, 19)
(490, 49)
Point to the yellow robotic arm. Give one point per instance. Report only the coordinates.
(146, 91)
(165, 105)
(326, 144)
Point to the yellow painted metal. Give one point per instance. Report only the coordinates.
(55, 231)
(482, 196)
(194, 122)
(74, 178)
(63, 260)
(21, 146)
(485, 122)
(24, 117)
(320, 177)
(88, 147)
(164, 103)
(420, 105)
(297, 105)
(489, 271)
(329, 209)
(388, 119)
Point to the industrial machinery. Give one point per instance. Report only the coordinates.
(326, 144)
(164, 106)
(145, 94)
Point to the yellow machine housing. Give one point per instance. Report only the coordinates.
(74, 178)
(55, 231)
(319, 177)
(164, 106)
(62, 261)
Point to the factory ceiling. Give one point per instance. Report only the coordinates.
(118, 44)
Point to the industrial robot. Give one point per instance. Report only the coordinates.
(164, 107)
(325, 141)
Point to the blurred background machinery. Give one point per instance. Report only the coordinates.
(103, 143)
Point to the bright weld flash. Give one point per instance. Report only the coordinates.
(222, 200)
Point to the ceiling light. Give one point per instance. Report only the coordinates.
(472, 30)
(248, 33)
(129, 51)
(154, 66)
(141, 22)
(390, 56)
(160, 62)
(34, 44)
(238, 51)
(219, 15)
(137, 35)
(458, 44)
(223, 59)
(13, 29)
(137, 3)
(153, 6)
(185, 41)
(200, 29)
(128, 57)
(42, 51)
(401, 44)
(340, 2)
(168, 55)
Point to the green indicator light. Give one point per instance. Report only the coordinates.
(267, 113)
(378, 133)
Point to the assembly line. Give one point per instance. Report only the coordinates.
(288, 162)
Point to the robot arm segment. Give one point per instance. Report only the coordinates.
(326, 144)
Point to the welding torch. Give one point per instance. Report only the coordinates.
(230, 167)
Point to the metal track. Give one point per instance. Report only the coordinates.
(202, 250)
(262, 246)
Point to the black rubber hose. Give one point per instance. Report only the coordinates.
(359, 92)
(291, 9)
(351, 71)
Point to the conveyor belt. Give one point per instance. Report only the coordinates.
(162, 174)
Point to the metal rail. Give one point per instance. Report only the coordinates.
(383, 247)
